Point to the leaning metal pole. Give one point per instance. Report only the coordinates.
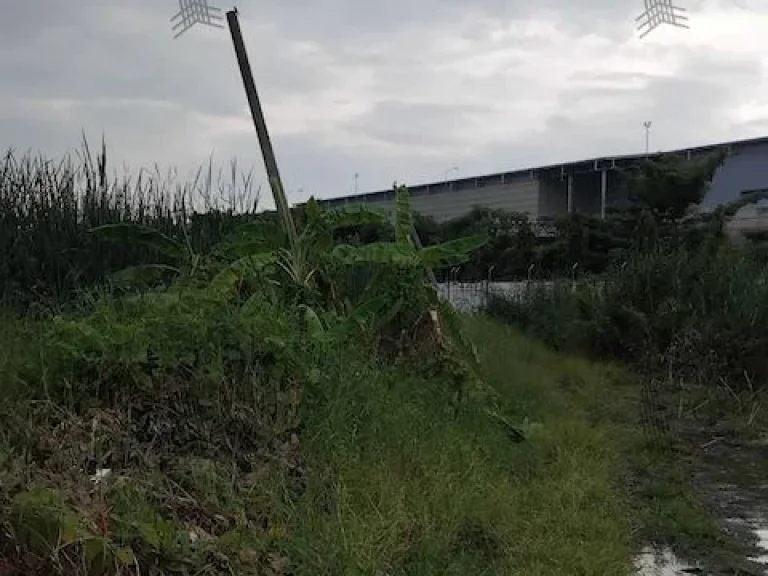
(270, 162)
(193, 12)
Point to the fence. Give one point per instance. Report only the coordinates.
(473, 296)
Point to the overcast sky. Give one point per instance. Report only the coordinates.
(391, 89)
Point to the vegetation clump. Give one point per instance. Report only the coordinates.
(236, 393)
(153, 423)
(682, 297)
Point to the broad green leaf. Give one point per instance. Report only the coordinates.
(452, 252)
(377, 253)
(126, 233)
(379, 310)
(237, 271)
(316, 237)
(253, 238)
(144, 274)
(312, 321)
(96, 550)
(124, 556)
(41, 521)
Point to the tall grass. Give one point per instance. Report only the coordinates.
(47, 210)
(245, 449)
(701, 313)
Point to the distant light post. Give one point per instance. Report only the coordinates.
(448, 171)
(357, 178)
(658, 12)
(647, 126)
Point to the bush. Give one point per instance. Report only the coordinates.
(47, 210)
(701, 314)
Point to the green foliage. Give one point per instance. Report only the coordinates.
(299, 401)
(668, 186)
(517, 248)
(510, 248)
(142, 235)
(404, 485)
(42, 521)
(403, 217)
(47, 210)
(679, 296)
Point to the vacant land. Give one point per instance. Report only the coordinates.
(380, 471)
(241, 393)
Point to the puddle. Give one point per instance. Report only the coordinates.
(762, 544)
(652, 562)
(758, 527)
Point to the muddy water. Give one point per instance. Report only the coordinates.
(653, 562)
(664, 562)
(759, 527)
(762, 544)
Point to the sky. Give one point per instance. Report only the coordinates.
(391, 90)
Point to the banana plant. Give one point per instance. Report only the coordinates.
(304, 262)
(403, 252)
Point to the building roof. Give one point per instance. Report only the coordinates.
(559, 170)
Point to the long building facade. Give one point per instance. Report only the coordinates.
(589, 186)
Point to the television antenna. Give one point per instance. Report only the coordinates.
(658, 12)
(193, 12)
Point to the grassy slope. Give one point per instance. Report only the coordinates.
(389, 480)
(419, 492)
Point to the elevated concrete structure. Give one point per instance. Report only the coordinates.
(587, 186)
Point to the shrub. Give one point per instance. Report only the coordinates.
(698, 313)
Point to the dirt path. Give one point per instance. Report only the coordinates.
(729, 478)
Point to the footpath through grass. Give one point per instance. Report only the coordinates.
(416, 490)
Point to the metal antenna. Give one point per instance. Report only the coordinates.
(193, 12)
(658, 12)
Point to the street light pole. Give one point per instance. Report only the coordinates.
(647, 125)
(448, 171)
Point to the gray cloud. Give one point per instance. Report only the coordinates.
(391, 90)
(417, 124)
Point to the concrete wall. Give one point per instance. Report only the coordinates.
(587, 196)
(617, 194)
(553, 197)
(520, 195)
(586, 191)
(745, 169)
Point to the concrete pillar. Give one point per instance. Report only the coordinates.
(603, 192)
(569, 193)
